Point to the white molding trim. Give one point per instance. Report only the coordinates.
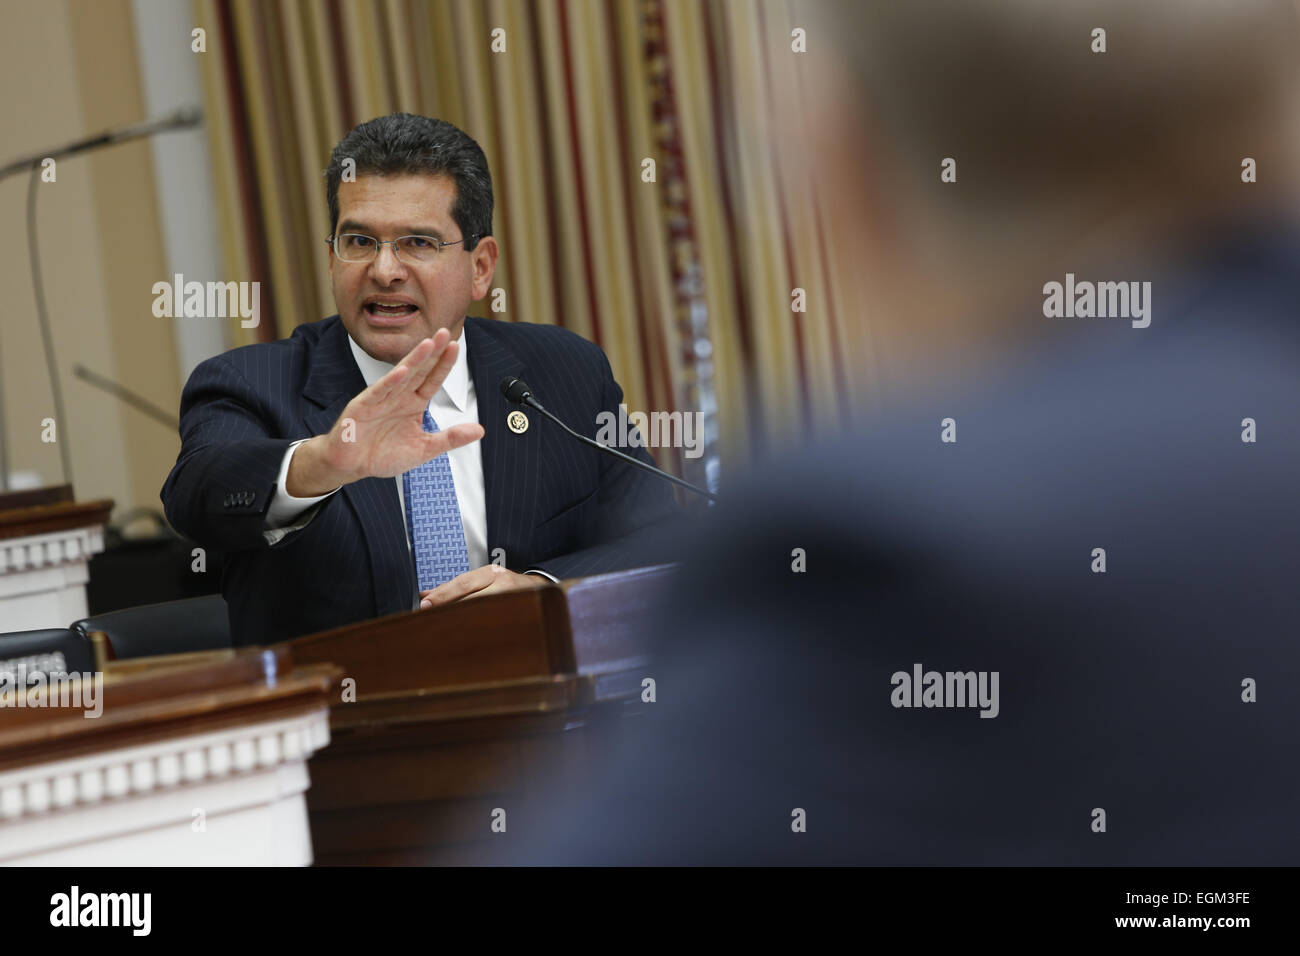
(141, 805)
(43, 577)
(35, 551)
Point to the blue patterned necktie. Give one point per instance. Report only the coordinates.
(433, 520)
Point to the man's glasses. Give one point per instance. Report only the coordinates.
(418, 250)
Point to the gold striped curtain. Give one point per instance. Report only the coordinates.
(686, 282)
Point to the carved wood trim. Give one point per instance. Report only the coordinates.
(48, 518)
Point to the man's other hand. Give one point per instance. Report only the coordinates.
(381, 432)
(489, 579)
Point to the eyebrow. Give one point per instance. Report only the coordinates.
(352, 225)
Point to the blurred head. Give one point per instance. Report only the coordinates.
(1064, 156)
(409, 175)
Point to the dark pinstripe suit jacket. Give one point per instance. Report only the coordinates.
(552, 503)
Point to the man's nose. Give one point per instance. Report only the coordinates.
(386, 266)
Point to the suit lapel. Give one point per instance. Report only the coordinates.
(334, 380)
(509, 461)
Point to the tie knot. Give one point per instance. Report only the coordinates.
(429, 424)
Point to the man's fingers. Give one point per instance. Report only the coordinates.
(438, 372)
(388, 383)
(411, 372)
(489, 579)
(392, 380)
(460, 586)
(421, 362)
(414, 366)
(387, 417)
(457, 436)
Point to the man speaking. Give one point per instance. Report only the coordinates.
(368, 464)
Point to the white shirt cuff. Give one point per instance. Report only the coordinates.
(285, 512)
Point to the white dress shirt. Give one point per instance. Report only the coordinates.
(456, 403)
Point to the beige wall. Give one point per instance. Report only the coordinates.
(69, 68)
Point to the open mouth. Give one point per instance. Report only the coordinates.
(389, 311)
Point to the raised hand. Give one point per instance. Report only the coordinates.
(381, 432)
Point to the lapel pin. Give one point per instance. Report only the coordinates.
(517, 422)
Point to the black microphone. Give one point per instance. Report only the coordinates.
(517, 391)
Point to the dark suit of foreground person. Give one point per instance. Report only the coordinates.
(1146, 714)
(1120, 691)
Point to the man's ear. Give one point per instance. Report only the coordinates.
(484, 264)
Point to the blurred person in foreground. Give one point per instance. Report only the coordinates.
(1142, 714)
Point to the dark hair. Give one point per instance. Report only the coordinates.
(406, 143)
